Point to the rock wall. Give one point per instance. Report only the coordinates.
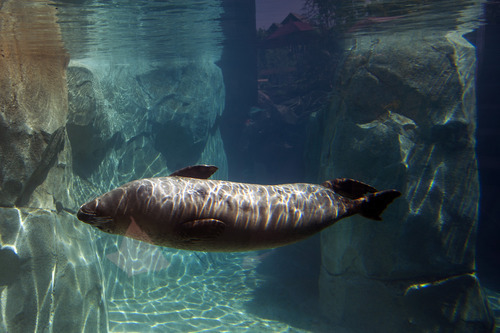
(134, 122)
(33, 101)
(403, 117)
(49, 276)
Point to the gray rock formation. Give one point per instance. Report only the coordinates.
(404, 118)
(184, 104)
(53, 280)
(129, 123)
(33, 105)
(50, 278)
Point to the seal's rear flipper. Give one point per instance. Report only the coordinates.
(373, 204)
(349, 188)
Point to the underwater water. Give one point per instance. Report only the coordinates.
(396, 94)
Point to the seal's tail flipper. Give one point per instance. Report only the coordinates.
(373, 204)
(366, 200)
(349, 188)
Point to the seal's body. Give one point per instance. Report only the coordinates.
(185, 212)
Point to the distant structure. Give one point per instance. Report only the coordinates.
(292, 31)
(292, 35)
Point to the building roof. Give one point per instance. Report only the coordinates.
(294, 29)
(290, 28)
(293, 17)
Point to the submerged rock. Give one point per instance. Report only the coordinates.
(11, 264)
(50, 280)
(454, 304)
(404, 118)
(33, 100)
(184, 105)
(87, 128)
(126, 123)
(49, 156)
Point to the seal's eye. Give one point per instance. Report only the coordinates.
(98, 208)
(101, 209)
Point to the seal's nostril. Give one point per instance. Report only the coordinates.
(85, 216)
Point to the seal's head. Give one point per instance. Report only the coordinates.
(104, 211)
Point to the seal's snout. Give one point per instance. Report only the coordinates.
(92, 213)
(84, 217)
(87, 212)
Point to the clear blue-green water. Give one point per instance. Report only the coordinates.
(179, 30)
(399, 94)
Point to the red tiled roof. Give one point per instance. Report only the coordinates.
(289, 28)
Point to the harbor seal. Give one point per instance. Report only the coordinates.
(188, 211)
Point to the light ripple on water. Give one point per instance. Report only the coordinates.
(212, 301)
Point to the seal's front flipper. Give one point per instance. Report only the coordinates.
(196, 171)
(201, 229)
(349, 188)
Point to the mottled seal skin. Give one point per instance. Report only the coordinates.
(185, 212)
